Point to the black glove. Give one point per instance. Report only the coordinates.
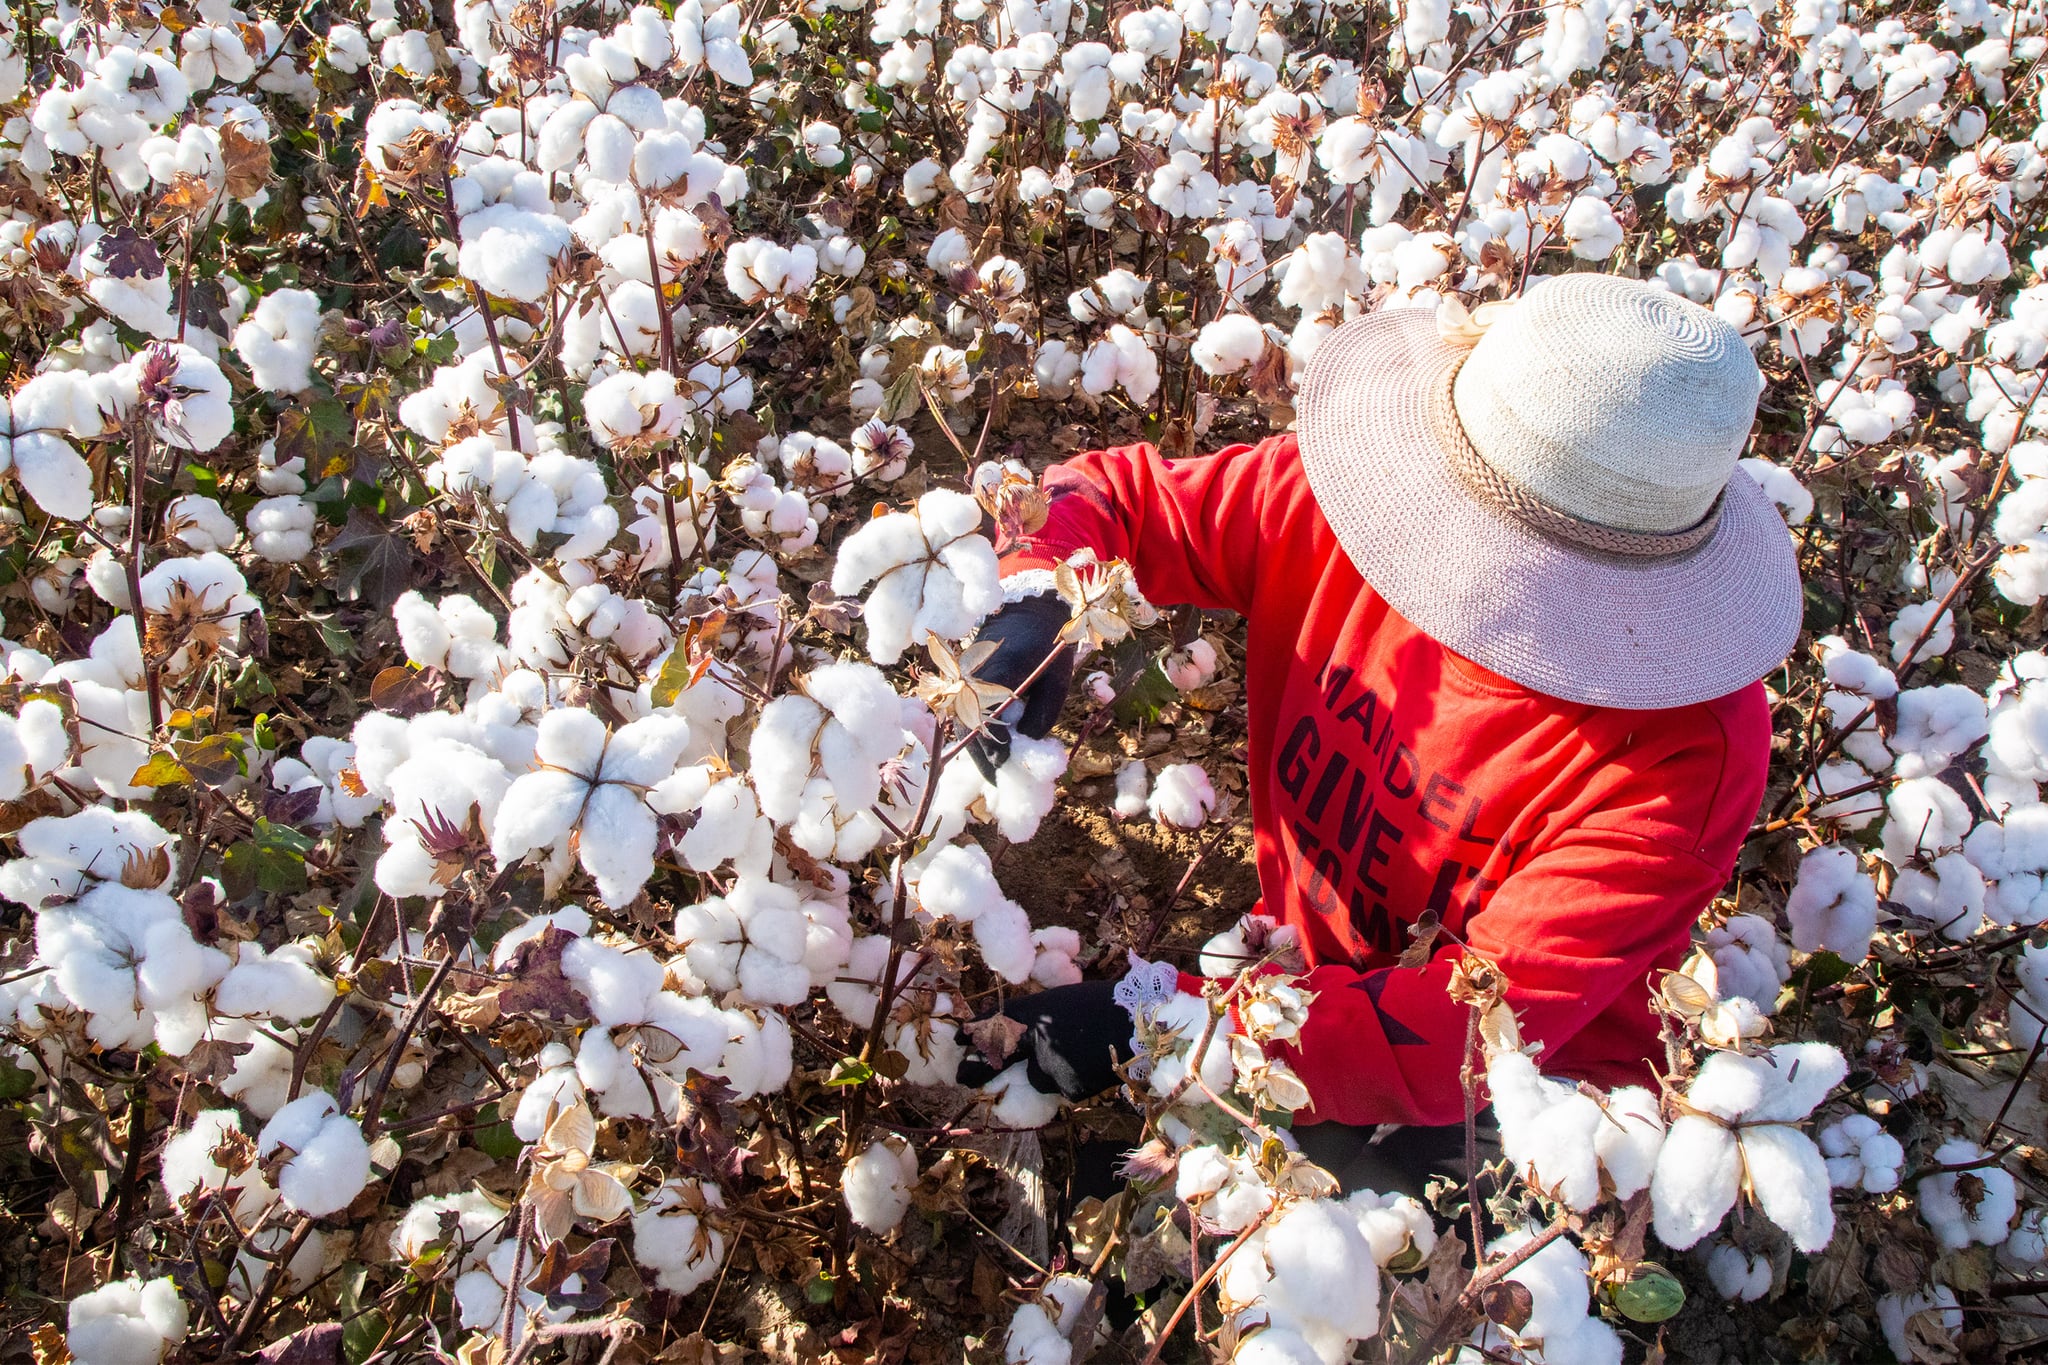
(1072, 1037)
(1025, 632)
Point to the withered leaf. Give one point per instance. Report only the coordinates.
(560, 1263)
(247, 161)
(1507, 1302)
(995, 1038)
(537, 985)
(128, 255)
(319, 1344)
(402, 691)
(1422, 940)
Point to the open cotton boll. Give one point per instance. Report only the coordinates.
(330, 1164)
(1927, 818)
(1749, 960)
(1027, 786)
(467, 1225)
(1229, 344)
(127, 1322)
(1699, 1174)
(877, 1185)
(1833, 905)
(1983, 1217)
(753, 940)
(1057, 947)
(1851, 670)
(1738, 1274)
(1934, 724)
(1789, 1181)
(127, 960)
(1323, 1270)
(932, 571)
(480, 1296)
(1861, 1155)
(1629, 1139)
(189, 1167)
(1547, 1128)
(1895, 1311)
(844, 725)
(1182, 796)
(1907, 626)
(1559, 1299)
(1017, 1103)
(278, 340)
(1191, 668)
(960, 883)
(1395, 1226)
(1274, 1345)
(285, 984)
(673, 1237)
(1133, 790)
(1951, 897)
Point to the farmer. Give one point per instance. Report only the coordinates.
(1508, 604)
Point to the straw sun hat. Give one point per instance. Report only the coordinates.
(1558, 500)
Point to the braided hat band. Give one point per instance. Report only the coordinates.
(1502, 493)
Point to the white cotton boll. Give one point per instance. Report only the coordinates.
(1951, 898)
(1033, 1338)
(1926, 818)
(1191, 668)
(1182, 796)
(281, 528)
(1911, 621)
(1782, 487)
(1057, 947)
(1017, 1103)
(1934, 724)
(285, 984)
(1275, 1345)
(1547, 1128)
(1749, 960)
(1894, 1311)
(877, 1185)
(1027, 786)
(1860, 1154)
(1395, 1226)
(673, 1238)
(1699, 1173)
(932, 573)
(1133, 790)
(478, 1224)
(1958, 1222)
(331, 1164)
(1852, 670)
(1833, 906)
(1789, 1181)
(1322, 1269)
(1629, 1137)
(199, 523)
(1229, 344)
(188, 1167)
(1792, 1080)
(279, 338)
(1738, 1274)
(127, 1322)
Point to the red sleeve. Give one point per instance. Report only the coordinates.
(1574, 929)
(1188, 528)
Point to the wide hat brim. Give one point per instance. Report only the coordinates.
(1586, 626)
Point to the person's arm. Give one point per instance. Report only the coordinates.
(1189, 529)
(1582, 923)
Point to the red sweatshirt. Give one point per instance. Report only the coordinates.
(1573, 845)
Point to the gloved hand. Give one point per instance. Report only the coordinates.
(1072, 1037)
(1025, 632)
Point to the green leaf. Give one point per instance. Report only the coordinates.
(361, 1335)
(850, 1071)
(15, 1082)
(204, 480)
(1147, 695)
(819, 1291)
(162, 770)
(272, 859)
(215, 760)
(494, 1136)
(673, 678)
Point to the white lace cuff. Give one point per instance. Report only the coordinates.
(1144, 988)
(1027, 583)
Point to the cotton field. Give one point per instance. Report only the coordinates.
(500, 857)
